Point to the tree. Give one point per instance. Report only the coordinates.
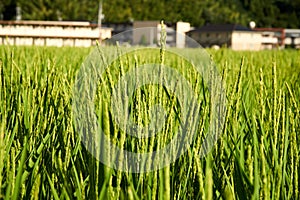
(117, 11)
(59, 9)
(266, 13)
(4, 4)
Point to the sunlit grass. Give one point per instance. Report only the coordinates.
(41, 156)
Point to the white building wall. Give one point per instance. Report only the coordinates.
(246, 41)
(181, 29)
(52, 34)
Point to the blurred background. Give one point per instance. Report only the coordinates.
(235, 24)
(266, 13)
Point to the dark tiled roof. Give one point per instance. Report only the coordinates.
(222, 28)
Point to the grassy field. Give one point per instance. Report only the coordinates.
(42, 157)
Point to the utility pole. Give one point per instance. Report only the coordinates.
(100, 21)
(18, 13)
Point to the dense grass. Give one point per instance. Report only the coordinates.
(41, 155)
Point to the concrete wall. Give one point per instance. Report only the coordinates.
(181, 29)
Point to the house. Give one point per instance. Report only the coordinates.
(279, 38)
(234, 36)
(51, 33)
(145, 32)
(272, 38)
(121, 31)
(292, 38)
(149, 32)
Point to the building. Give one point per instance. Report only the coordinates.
(51, 33)
(292, 38)
(279, 38)
(149, 32)
(145, 33)
(181, 29)
(121, 31)
(272, 38)
(233, 36)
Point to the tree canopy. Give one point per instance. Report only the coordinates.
(266, 13)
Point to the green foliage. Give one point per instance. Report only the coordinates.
(267, 13)
(59, 9)
(3, 4)
(118, 11)
(42, 156)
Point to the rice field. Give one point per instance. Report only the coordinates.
(42, 155)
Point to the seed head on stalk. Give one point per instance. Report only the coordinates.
(163, 36)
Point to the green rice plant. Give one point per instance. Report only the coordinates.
(42, 157)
